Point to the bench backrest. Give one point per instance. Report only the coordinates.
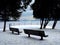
(35, 32)
(14, 29)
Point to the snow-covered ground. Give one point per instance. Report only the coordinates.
(7, 38)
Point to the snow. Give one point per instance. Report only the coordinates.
(7, 38)
(50, 24)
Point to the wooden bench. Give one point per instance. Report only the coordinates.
(35, 32)
(14, 30)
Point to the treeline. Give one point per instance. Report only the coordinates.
(9, 9)
(46, 10)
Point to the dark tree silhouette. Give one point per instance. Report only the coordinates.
(9, 9)
(41, 11)
(26, 3)
(47, 10)
(46, 22)
(55, 11)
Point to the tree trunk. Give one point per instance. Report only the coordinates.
(45, 24)
(54, 24)
(4, 26)
(41, 24)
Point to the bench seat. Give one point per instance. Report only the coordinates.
(15, 30)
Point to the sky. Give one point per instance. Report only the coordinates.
(28, 13)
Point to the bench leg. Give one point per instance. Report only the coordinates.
(28, 35)
(12, 32)
(41, 38)
(18, 33)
